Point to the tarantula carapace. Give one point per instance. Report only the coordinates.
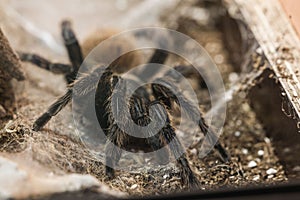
(138, 104)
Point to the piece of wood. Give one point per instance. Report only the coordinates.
(279, 41)
(10, 67)
(10, 64)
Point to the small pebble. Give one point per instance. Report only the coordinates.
(194, 151)
(237, 134)
(278, 61)
(267, 140)
(271, 171)
(252, 164)
(134, 186)
(260, 153)
(245, 151)
(166, 176)
(270, 176)
(256, 178)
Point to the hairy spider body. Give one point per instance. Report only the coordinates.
(138, 105)
(102, 82)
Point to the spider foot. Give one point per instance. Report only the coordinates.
(225, 157)
(110, 173)
(189, 179)
(41, 121)
(194, 184)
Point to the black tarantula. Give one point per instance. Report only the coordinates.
(138, 105)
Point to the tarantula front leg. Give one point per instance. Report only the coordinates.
(43, 63)
(73, 48)
(57, 106)
(166, 96)
(75, 56)
(81, 87)
(74, 52)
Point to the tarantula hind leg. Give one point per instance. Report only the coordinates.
(166, 96)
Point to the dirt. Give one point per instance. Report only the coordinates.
(58, 148)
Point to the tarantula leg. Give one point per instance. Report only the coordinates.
(187, 175)
(156, 143)
(185, 70)
(115, 140)
(73, 48)
(57, 106)
(159, 56)
(43, 63)
(168, 136)
(188, 71)
(165, 95)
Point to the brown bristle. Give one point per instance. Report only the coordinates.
(112, 49)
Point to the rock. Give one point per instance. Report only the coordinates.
(237, 134)
(252, 164)
(271, 171)
(134, 186)
(260, 152)
(15, 182)
(256, 178)
(245, 151)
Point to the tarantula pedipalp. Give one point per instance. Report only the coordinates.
(102, 81)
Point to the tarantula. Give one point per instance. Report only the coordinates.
(138, 105)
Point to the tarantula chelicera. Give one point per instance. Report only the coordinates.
(138, 105)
